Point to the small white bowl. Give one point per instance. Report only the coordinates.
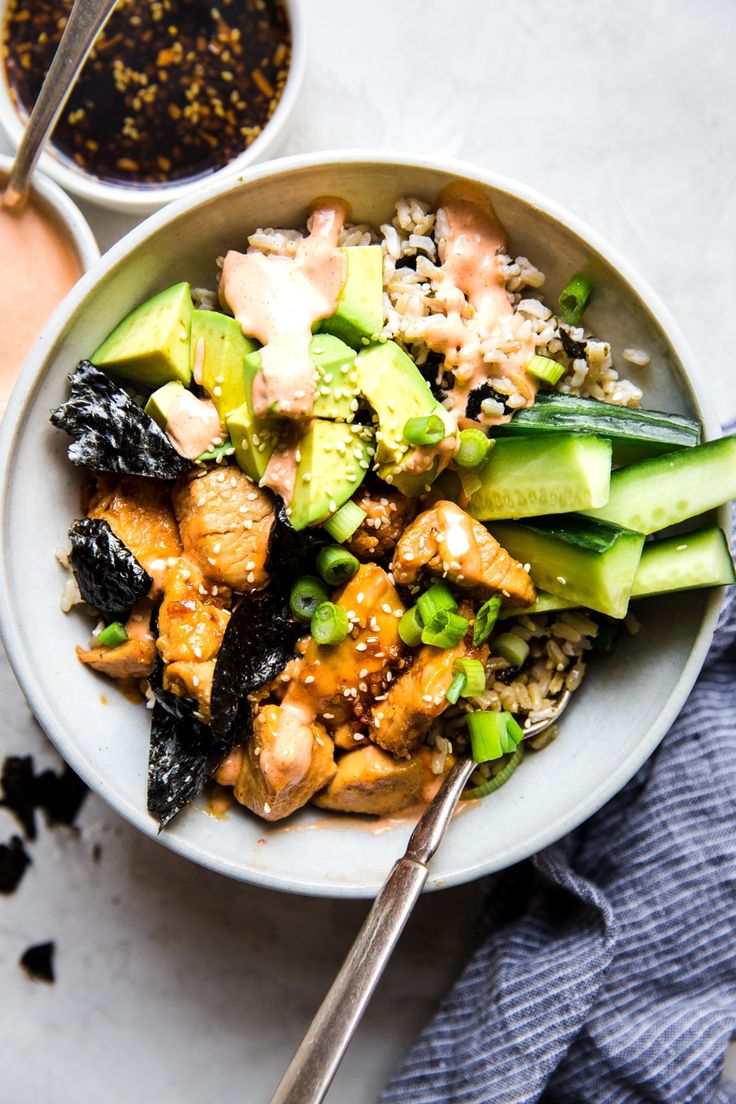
(627, 701)
(143, 199)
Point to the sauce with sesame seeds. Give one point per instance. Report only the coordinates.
(173, 89)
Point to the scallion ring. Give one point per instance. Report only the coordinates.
(329, 624)
(485, 619)
(439, 597)
(343, 524)
(307, 593)
(410, 628)
(574, 298)
(498, 780)
(113, 635)
(445, 629)
(429, 430)
(473, 448)
(336, 565)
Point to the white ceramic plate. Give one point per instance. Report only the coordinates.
(627, 702)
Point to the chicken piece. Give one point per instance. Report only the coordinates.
(288, 758)
(132, 660)
(448, 542)
(402, 720)
(191, 620)
(192, 680)
(370, 780)
(388, 514)
(338, 680)
(140, 514)
(225, 520)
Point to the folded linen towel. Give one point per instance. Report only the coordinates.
(606, 971)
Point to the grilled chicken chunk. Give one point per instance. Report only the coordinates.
(388, 514)
(225, 521)
(192, 680)
(132, 660)
(448, 542)
(370, 780)
(287, 760)
(191, 620)
(400, 722)
(139, 512)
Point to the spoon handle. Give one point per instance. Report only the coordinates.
(315, 1063)
(85, 21)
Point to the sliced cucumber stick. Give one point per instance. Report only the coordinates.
(685, 562)
(545, 603)
(586, 562)
(634, 434)
(653, 494)
(554, 474)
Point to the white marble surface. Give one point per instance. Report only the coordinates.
(173, 982)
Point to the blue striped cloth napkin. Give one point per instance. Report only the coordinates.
(606, 969)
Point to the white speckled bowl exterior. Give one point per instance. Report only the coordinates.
(142, 200)
(627, 701)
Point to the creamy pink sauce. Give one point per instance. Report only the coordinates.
(471, 291)
(278, 299)
(280, 473)
(287, 761)
(138, 625)
(193, 425)
(39, 266)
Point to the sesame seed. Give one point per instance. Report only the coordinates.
(266, 807)
(361, 647)
(309, 679)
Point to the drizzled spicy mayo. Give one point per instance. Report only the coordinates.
(470, 290)
(278, 299)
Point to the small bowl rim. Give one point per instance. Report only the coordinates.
(24, 394)
(143, 201)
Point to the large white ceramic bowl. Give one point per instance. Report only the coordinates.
(142, 199)
(623, 709)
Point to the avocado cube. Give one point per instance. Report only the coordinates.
(396, 390)
(333, 460)
(253, 439)
(161, 401)
(150, 346)
(218, 350)
(358, 318)
(335, 377)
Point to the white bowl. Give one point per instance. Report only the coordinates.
(142, 200)
(627, 702)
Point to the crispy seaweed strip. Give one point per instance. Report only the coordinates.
(258, 643)
(38, 962)
(182, 755)
(107, 573)
(575, 350)
(476, 397)
(111, 432)
(289, 551)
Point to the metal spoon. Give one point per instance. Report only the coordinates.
(315, 1063)
(86, 20)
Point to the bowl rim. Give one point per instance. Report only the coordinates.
(142, 201)
(23, 395)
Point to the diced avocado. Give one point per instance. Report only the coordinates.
(151, 345)
(218, 350)
(359, 315)
(160, 402)
(395, 388)
(336, 377)
(252, 438)
(333, 460)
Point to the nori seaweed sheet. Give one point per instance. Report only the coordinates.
(476, 397)
(175, 704)
(440, 381)
(182, 755)
(112, 432)
(575, 350)
(258, 643)
(38, 962)
(290, 550)
(107, 573)
(60, 796)
(14, 861)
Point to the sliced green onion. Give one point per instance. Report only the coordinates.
(306, 594)
(545, 369)
(511, 647)
(574, 298)
(425, 431)
(470, 481)
(606, 639)
(498, 780)
(218, 453)
(456, 688)
(329, 623)
(113, 635)
(473, 448)
(438, 598)
(475, 676)
(485, 619)
(445, 630)
(343, 524)
(336, 565)
(410, 628)
(493, 735)
(514, 729)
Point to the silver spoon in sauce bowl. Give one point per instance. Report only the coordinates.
(315, 1063)
(85, 21)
